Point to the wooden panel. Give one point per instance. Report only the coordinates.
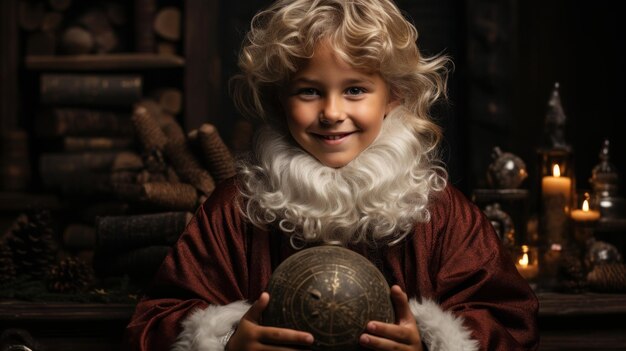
(127, 61)
(8, 65)
(202, 71)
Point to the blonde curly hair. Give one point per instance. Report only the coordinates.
(371, 35)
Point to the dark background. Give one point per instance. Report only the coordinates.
(508, 55)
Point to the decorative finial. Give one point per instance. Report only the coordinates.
(555, 121)
(604, 176)
(604, 152)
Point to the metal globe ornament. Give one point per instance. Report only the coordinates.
(507, 171)
(330, 292)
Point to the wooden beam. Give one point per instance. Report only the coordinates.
(202, 69)
(124, 61)
(8, 65)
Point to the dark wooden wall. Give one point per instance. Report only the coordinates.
(507, 56)
(578, 44)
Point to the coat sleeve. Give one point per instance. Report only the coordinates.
(476, 279)
(207, 267)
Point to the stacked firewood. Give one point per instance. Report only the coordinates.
(99, 27)
(173, 172)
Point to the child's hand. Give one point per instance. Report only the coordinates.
(401, 336)
(251, 336)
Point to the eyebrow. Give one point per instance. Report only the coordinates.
(351, 81)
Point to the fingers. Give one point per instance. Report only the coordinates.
(372, 342)
(270, 335)
(404, 335)
(401, 305)
(398, 334)
(255, 311)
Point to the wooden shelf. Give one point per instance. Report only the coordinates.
(126, 61)
(555, 304)
(47, 311)
(578, 322)
(68, 326)
(482, 195)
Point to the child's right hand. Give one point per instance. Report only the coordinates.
(250, 336)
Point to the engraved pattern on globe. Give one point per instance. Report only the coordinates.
(330, 292)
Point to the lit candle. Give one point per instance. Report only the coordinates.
(555, 196)
(584, 214)
(555, 184)
(526, 267)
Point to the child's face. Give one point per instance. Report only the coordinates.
(334, 111)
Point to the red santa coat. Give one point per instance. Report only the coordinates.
(464, 289)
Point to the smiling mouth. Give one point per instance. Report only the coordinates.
(333, 137)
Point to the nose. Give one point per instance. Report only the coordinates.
(332, 110)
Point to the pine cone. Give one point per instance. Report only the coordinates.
(32, 243)
(70, 275)
(608, 277)
(572, 274)
(7, 266)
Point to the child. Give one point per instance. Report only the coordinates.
(348, 156)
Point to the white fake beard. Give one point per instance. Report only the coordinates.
(378, 196)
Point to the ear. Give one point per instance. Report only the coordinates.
(391, 104)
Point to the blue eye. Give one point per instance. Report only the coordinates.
(308, 92)
(355, 91)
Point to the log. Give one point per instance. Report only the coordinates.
(51, 21)
(30, 14)
(97, 23)
(15, 170)
(129, 232)
(97, 143)
(90, 89)
(181, 157)
(161, 195)
(145, 120)
(167, 23)
(170, 99)
(116, 13)
(77, 41)
(60, 5)
(170, 196)
(54, 122)
(166, 48)
(125, 161)
(218, 158)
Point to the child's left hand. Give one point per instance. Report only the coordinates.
(404, 335)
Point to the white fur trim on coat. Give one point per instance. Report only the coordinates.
(441, 330)
(204, 329)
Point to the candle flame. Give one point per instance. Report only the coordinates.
(556, 171)
(586, 205)
(524, 260)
